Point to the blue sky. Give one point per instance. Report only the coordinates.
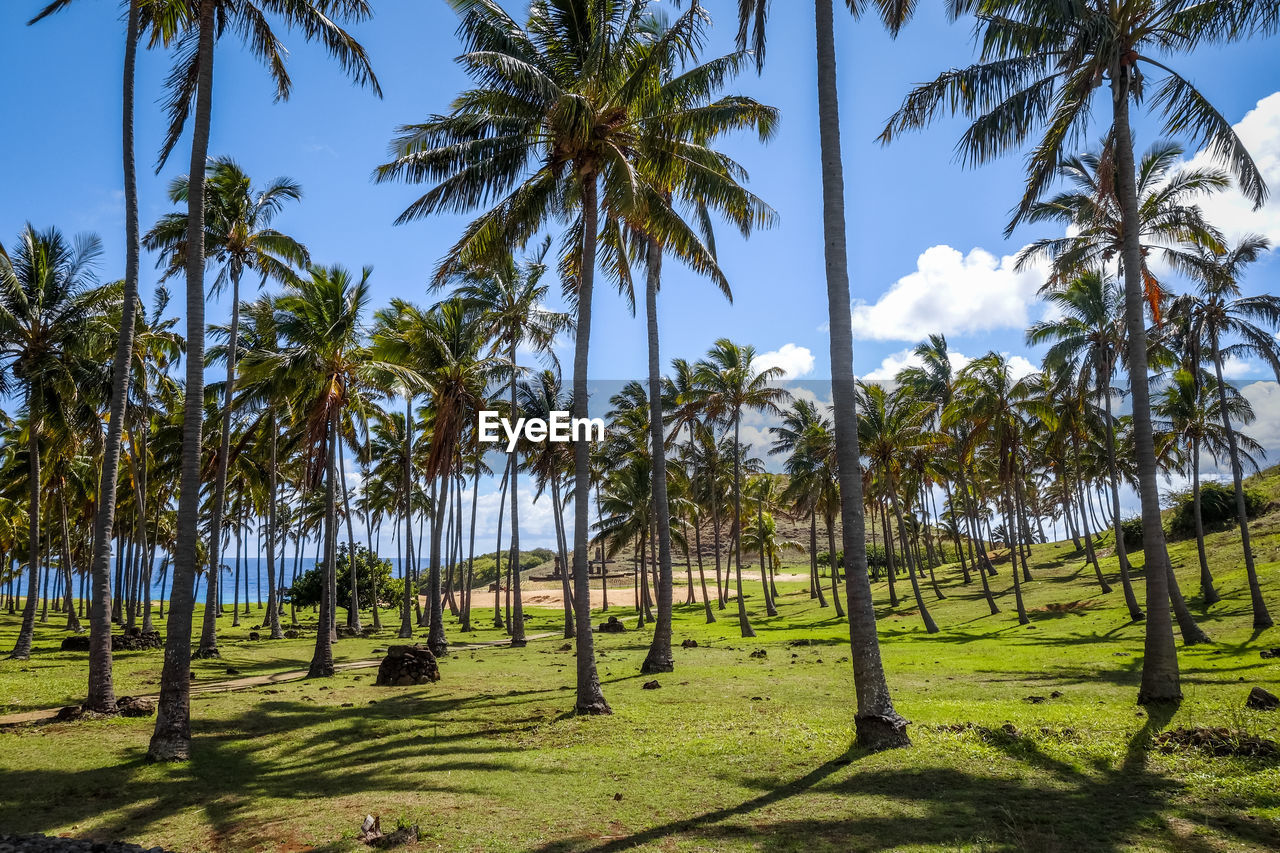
(925, 236)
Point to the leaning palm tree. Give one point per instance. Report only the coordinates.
(239, 237)
(509, 300)
(546, 131)
(48, 306)
(1040, 63)
(190, 85)
(101, 694)
(729, 382)
(877, 724)
(1218, 311)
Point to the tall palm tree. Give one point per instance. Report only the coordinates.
(877, 724)
(795, 437)
(101, 693)
(48, 306)
(1086, 337)
(1218, 311)
(509, 299)
(729, 382)
(1039, 66)
(546, 131)
(190, 85)
(239, 237)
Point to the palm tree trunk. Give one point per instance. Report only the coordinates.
(101, 697)
(1160, 679)
(813, 559)
(517, 615)
(766, 580)
(353, 610)
(406, 615)
(659, 658)
(743, 623)
(471, 552)
(715, 537)
(1261, 618)
(209, 632)
(878, 725)
(1207, 591)
(562, 546)
(435, 635)
(171, 739)
(929, 625)
(590, 698)
(1130, 600)
(273, 610)
(1013, 559)
(702, 575)
(1135, 613)
(68, 605)
(497, 550)
(322, 658)
(832, 564)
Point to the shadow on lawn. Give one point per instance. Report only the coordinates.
(1103, 809)
(328, 752)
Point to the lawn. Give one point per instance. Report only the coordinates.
(732, 752)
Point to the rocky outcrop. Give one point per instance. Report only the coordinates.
(406, 665)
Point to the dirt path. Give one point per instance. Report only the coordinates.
(199, 688)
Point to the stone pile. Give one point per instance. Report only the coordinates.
(406, 665)
(132, 640)
(45, 844)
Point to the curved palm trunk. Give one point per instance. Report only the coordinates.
(102, 697)
(813, 560)
(68, 605)
(702, 575)
(690, 596)
(353, 609)
(590, 698)
(1160, 678)
(659, 658)
(209, 632)
(22, 649)
(517, 615)
(715, 536)
(1130, 600)
(562, 546)
(890, 570)
(172, 737)
(1011, 544)
(322, 657)
(1207, 591)
(1192, 633)
(967, 511)
(1135, 613)
(1261, 618)
(471, 553)
(878, 725)
(929, 625)
(497, 550)
(743, 623)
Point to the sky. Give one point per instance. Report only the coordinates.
(926, 245)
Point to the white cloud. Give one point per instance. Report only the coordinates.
(1238, 368)
(1265, 399)
(951, 293)
(1230, 211)
(894, 363)
(795, 361)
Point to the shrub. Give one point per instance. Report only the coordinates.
(1217, 509)
(305, 592)
(1132, 528)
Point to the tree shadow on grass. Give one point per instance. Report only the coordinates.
(1031, 801)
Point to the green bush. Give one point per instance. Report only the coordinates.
(485, 571)
(1217, 509)
(1132, 528)
(305, 592)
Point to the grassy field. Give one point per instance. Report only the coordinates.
(733, 752)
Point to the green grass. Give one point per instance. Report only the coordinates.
(732, 753)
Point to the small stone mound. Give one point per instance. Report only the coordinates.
(407, 665)
(135, 706)
(1216, 741)
(689, 644)
(1262, 700)
(45, 844)
(612, 626)
(1034, 700)
(760, 653)
(291, 634)
(255, 636)
(132, 640)
(650, 685)
(1266, 654)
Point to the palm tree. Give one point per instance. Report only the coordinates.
(1215, 312)
(796, 437)
(1039, 65)
(191, 84)
(877, 724)
(891, 425)
(48, 305)
(548, 140)
(728, 383)
(101, 693)
(1087, 338)
(509, 299)
(238, 236)
(1190, 409)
